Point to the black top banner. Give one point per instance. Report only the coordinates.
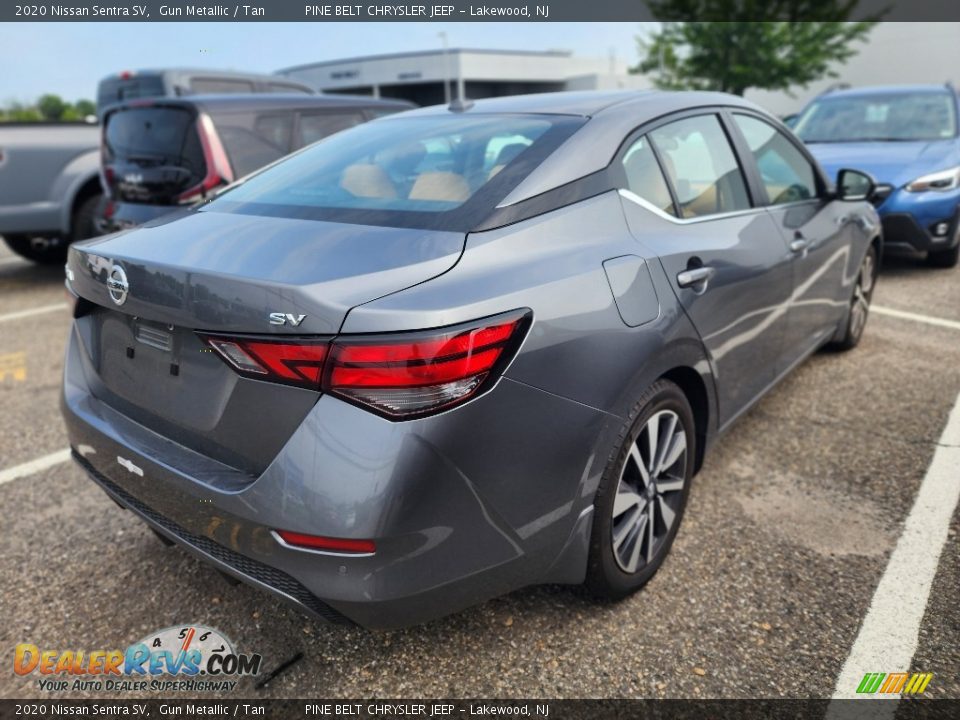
(459, 11)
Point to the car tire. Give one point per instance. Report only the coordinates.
(944, 258)
(858, 311)
(85, 218)
(634, 524)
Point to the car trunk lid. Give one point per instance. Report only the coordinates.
(227, 273)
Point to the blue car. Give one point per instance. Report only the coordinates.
(907, 138)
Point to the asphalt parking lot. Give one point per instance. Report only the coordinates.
(790, 527)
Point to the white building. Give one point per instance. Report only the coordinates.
(471, 73)
(894, 53)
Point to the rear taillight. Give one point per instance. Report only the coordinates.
(407, 375)
(397, 375)
(291, 362)
(219, 171)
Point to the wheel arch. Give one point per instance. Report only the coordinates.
(692, 384)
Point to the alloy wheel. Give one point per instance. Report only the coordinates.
(860, 305)
(650, 491)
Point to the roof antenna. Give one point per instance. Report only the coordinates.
(460, 105)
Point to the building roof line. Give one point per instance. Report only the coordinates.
(422, 53)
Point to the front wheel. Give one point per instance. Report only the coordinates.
(643, 493)
(859, 309)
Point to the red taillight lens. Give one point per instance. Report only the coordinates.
(326, 544)
(414, 374)
(399, 376)
(292, 362)
(219, 171)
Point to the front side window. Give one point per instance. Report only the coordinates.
(701, 166)
(644, 177)
(402, 170)
(878, 117)
(786, 174)
(212, 85)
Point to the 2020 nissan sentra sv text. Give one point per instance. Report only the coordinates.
(451, 353)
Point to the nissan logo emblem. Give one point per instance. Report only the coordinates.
(117, 285)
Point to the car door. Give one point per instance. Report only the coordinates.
(817, 231)
(723, 255)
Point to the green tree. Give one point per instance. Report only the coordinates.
(758, 45)
(84, 108)
(51, 107)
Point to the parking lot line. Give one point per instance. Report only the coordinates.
(32, 311)
(888, 636)
(903, 315)
(11, 260)
(34, 466)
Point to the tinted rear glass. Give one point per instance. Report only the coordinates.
(154, 136)
(881, 116)
(435, 171)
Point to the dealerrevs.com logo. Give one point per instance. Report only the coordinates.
(187, 658)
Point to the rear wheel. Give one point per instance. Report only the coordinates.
(859, 308)
(944, 258)
(643, 493)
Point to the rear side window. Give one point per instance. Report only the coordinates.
(281, 88)
(253, 140)
(644, 177)
(443, 172)
(701, 166)
(153, 137)
(786, 174)
(316, 126)
(220, 85)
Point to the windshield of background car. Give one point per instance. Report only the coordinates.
(884, 116)
(434, 172)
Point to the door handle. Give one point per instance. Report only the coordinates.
(695, 276)
(800, 244)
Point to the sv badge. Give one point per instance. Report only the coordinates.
(286, 319)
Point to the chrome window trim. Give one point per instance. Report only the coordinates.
(647, 205)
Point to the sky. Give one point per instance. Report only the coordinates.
(68, 59)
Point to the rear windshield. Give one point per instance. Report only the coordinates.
(877, 117)
(154, 135)
(430, 171)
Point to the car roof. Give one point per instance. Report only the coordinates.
(246, 101)
(609, 117)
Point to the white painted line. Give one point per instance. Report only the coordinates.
(903, 315)
(32, 311)
(888, 636)
(11, 260)
(34, 466)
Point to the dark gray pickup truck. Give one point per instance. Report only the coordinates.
(49, 186)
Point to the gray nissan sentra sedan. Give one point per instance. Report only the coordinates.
(461, 350)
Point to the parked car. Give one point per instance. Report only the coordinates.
(159, 155)
(907, 137)
(399, 373)
(176, 82)
(49, 187)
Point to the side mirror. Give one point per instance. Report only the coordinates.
(854, 185)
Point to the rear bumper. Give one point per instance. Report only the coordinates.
(911, 221)
(481, 500)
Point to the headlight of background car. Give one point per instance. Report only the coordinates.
(943, 180)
